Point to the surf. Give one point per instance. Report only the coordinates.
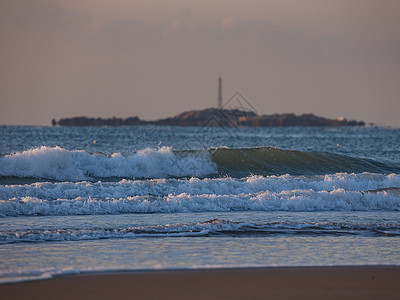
(59, 164)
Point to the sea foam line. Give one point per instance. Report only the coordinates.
(289, 200)
(212, 227)
(196, 186)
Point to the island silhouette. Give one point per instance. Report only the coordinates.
(235, 112)
(220, 117)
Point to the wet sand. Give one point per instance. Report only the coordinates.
(248, 283)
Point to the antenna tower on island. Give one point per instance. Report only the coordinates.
(219, 92)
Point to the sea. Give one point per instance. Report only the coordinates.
(97, 199)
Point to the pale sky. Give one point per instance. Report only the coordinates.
(157, 58)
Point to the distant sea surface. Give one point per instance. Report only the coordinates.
(88, 199)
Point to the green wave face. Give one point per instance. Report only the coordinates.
(273, 161)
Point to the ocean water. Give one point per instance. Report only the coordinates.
(84, 199)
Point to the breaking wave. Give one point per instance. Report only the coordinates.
(55, 163)
(339, 192)
(60, 164)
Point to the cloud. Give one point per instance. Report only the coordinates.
(227, 23)
(38, 18)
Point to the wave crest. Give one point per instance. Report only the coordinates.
(59, 164)
(274, 161)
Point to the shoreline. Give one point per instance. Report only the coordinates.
(333, 282)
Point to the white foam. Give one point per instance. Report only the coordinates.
(61, 164)
(290, 193)
(291, 200)
(39, 274)
(77, 234)
(196, 186)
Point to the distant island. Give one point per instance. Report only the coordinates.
(222, 116)
(215, 117)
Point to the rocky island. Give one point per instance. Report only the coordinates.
(215, 117)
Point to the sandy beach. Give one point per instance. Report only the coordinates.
(252, 283)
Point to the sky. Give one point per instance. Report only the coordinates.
(157, 58)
